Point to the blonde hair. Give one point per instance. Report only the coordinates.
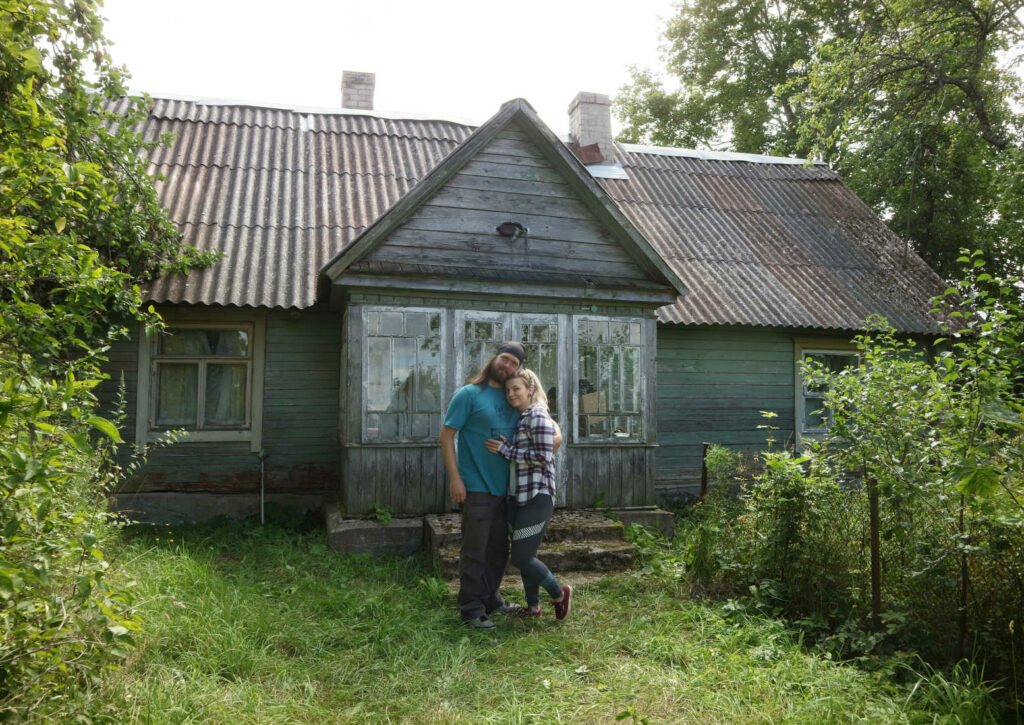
(538, 396)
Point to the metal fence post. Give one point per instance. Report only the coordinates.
(876, 556)
(704, 470)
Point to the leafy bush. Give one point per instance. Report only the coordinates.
(80, 227)
(939, 432)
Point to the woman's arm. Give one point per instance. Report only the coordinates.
(539, 446)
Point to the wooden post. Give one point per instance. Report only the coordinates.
(876, 557)
(704, 470)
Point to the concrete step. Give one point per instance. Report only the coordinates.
(559, 556)
(565, 525)
(579, 541)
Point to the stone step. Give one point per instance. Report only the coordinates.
(560, 556)
(585, 541)
(565, 525)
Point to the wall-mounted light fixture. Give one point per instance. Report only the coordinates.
(512, 230)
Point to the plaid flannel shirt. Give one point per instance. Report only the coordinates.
(532, 448)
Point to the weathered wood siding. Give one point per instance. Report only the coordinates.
(712, 385)
(300, 418)
(411, 477)
(508, 180)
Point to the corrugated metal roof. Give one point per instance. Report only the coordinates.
(280, 192)
(770, 244)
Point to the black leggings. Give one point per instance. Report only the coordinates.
(527, 525)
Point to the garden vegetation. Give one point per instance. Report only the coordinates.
(935, 434)
(80, 227)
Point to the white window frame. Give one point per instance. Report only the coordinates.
(645, 417)
(254, 322)
(364, 383)
(802, 348)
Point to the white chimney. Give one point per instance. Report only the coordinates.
(357, 90)
(590, 122)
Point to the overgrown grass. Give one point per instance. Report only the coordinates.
(265, 625)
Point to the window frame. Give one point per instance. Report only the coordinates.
(645, 407)
(801, 348)
(365, 310)
(254, 322)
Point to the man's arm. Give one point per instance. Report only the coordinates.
(456, 487)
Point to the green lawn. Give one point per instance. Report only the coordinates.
(264, 625)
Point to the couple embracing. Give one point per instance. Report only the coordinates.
(501, 415)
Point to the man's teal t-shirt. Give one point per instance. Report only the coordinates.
(479, 413)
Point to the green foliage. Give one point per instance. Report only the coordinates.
(80, 227)
(721, 462)
(257, 624)
(915, 103)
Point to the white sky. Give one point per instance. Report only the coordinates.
(456, 59)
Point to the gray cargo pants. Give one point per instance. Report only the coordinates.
(484, 554)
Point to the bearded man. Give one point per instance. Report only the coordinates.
(478, 480)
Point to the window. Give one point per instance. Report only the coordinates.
(813, 417)
(201, 378)
(403, 397)
(540, 340)
(205, 376)
(609, 380)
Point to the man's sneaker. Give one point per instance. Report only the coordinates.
(507, 608)
(562, 607)
(481, 622)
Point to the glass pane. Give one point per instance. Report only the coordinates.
(815, 416)
(378, 374)
(619, 333)
(613, 364)
(484, 331)
(177, 396)
(402, 381)
(373, 323)
(184, 342)
(548, 373)
(420, 426)
(588, 380)
(428, 386)
(225, 395)
(229, 343)
(435, 324)
(372, 427)
(470, 331)
(416, 324)
(608, 371)
(634, 333)
(391, 323)
(631, 379)
(389, 426)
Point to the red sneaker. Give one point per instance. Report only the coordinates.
(562, 607)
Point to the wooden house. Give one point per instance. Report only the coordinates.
(372, 263)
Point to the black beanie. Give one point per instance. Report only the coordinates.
(513, 348)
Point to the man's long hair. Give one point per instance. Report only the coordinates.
(483, 375)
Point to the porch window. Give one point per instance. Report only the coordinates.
(402, 399)
(202, 378)
(813, 416)
(609, 380)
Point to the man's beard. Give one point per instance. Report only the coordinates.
(495, 374)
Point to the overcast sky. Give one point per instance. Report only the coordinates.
(456, 59)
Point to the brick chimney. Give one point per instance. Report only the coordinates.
(357, 90)
(590, 123)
